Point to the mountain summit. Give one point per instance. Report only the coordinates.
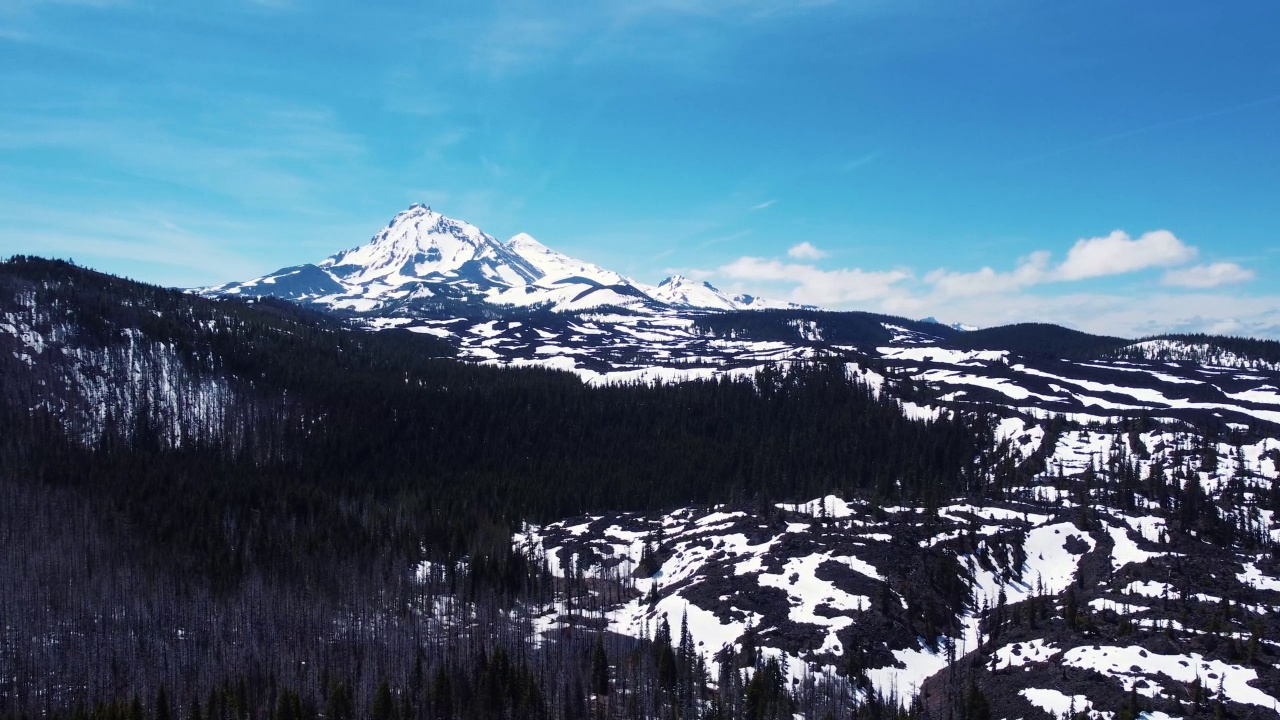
(424, 262)
(420, 244)
(681, 291)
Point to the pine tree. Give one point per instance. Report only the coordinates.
(285, 707)
(135, 709)
(384, 705)
(665, 662)
(162, 711)
(599, 668)
(340, 706)
(975, 705)
(441, 696)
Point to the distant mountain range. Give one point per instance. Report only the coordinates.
(520, 303)
(426, 264)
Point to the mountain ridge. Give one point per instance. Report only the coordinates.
(424, 255)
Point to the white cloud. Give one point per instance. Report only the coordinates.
(763, 205)
(1031, 270)
(806, 251)
(1113, 254)
(1117, 253)
(1118, 314)
(814, 286)
(989, 297)
(1207, 276)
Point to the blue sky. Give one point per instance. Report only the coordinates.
(1109, 166)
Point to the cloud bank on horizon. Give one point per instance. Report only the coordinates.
(1179, 302)
(924, 158)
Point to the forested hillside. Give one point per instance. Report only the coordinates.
(840, 328)
(1207, 349)
(228, 509)
(205, 491)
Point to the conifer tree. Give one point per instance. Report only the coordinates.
(162, 711)
(384, 706)
(599, 668)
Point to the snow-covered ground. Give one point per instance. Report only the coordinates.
(719, 561)
(1130, 664)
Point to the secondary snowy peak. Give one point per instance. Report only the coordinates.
(555, 266)
(954, 326)
(420, 243)
(754, 302)
(681, 291)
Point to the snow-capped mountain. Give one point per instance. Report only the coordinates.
(682, 292)
(421, 246)
(428, 265)
(557, 267)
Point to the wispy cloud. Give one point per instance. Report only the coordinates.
(861, 161)
(633, 11)
(179, 249)
(19, 4)
(133, 180)
(248, 148)
(763, 205)
(275, 4)
(502, 40)
(1208, 276)
(720, 239)
(1153, 127)
(512, 41)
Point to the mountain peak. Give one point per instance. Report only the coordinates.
(678, 281)
(419, 212)
(417, 243)
(524, 240)
(682, 291)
